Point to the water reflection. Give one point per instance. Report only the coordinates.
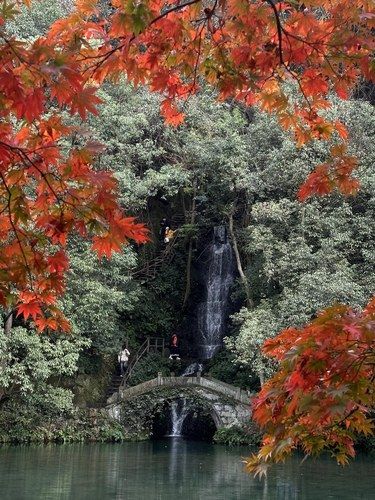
(169, 470)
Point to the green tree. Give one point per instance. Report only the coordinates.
(303, 257)
(98, 295)
(33, 365)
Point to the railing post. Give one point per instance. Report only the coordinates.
(160, 378)
(199, 374)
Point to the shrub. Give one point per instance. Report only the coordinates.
(149, 367)
(223, 367)
(236, 435)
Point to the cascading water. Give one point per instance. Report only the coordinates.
(212, 313)
(192, 369)
(179, 412)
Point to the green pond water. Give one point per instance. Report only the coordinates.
(171, 469)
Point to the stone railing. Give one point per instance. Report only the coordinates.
(212, 385)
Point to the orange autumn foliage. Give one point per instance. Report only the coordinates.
(249, 51)
(47, 190)
(323, 394)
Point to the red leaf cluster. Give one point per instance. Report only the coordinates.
(335, 173)
(47, 192)
(323, 393)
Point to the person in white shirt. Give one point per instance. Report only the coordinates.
(123, 358)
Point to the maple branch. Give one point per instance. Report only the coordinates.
(320, 40)
(23, 155)
(30, 66)
(21, 59)
(313, 46)
(195, 72)
(108, 54)
(15, 230)
(173, 9)
(279, 31)
(336, 424)
(61, 201)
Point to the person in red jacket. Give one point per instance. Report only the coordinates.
(174, 350)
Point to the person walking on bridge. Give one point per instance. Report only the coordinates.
(123, 359)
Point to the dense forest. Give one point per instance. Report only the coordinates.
(228, 165)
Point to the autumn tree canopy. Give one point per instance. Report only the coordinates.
(48, 185)
(248, 50)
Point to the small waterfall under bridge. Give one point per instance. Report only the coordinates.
(179, 411)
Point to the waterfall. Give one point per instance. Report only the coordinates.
(192, 369)
(179, 412)
(212, 313)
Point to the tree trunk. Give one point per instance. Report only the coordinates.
(261, 378)
(183, 204)
(190, 250)
(249, 301)
(7, 328)
(8, 324)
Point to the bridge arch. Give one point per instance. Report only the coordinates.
(136, 407)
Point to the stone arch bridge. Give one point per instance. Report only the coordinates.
(226, 404)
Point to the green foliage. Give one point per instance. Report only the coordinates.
(303, 257)
(34, 21)
(239, 435)
(139, 147)
(148, 368)
(99, 294)
(33, 397)
(223, 367)
(31, 362)
(26, 425)
(93, 379)
(157, 313)
(254, 328)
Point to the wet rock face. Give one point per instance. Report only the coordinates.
(161, 423)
